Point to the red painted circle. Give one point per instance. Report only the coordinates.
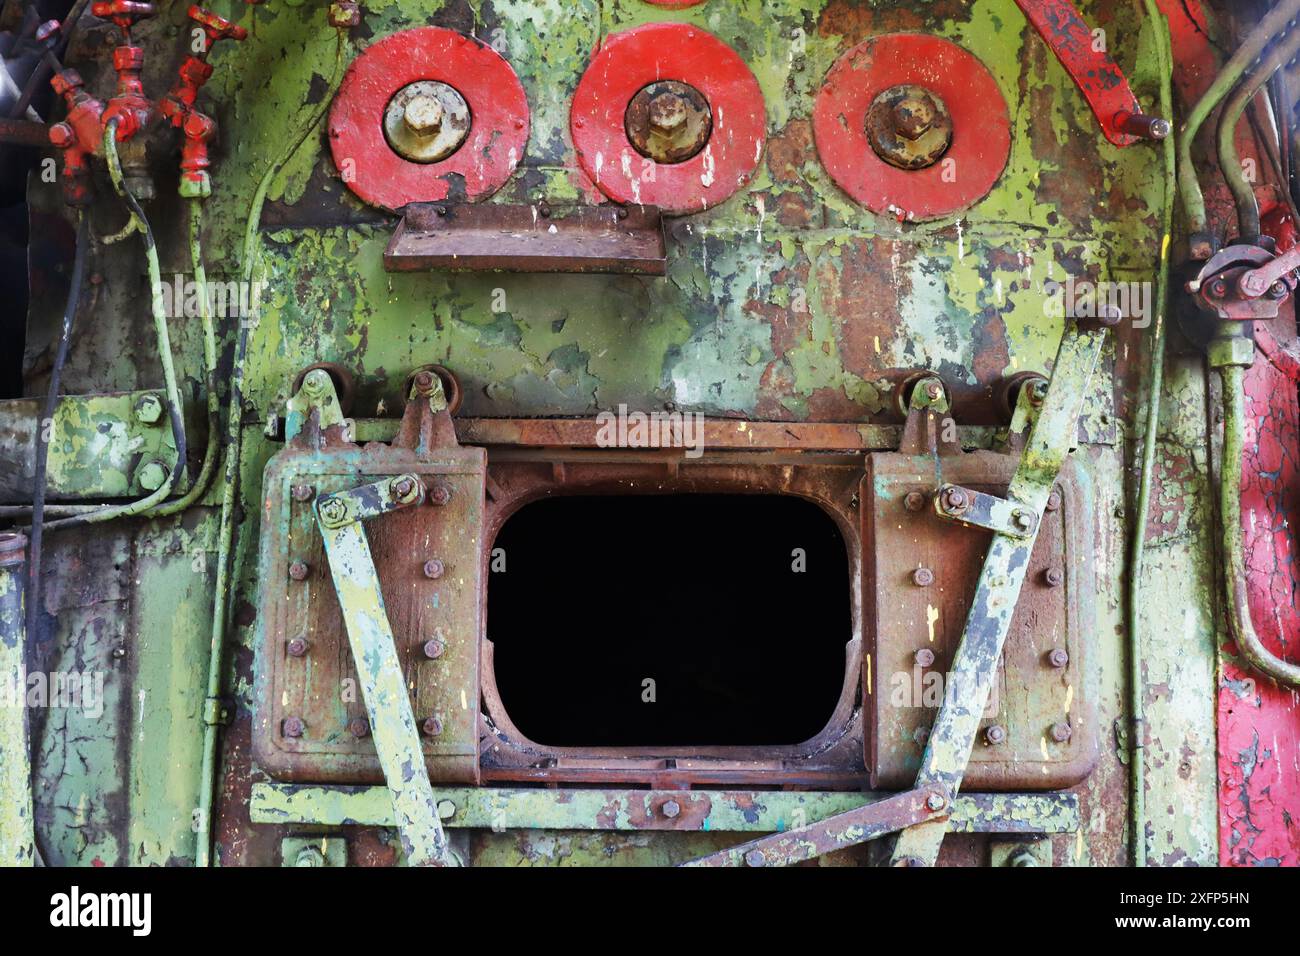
(498, 111)
(981, 138)
(632, 60)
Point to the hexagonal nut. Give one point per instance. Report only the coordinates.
(1231, 350)
(152, 475)
(149, 410)
(344, 14)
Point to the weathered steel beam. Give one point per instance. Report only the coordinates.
(724, 811)
(16, 835)
(383, 685)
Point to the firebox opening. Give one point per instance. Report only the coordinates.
(669, 620)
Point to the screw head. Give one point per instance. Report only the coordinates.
(333, 509)
(1061, 732)
(924, 657)
(403, 487)
(433, 569)
(1058, 657)
(152, 475)
(302, 492)
(439, 494)
(935, 802)
(755, 858)
(297, 647)
(1054, 577)
(431, 727)
(293, 727)
(671, 809)
(954, 499)
(667, 112)
(299, 570)
(434, 649)
(914, 501)
(933, 390)
(149, 410)
(359, 727)
(995, 734)
(922, 577)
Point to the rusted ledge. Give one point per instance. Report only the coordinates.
(731, 811)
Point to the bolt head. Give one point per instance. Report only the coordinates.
(954, 499)
(1058, 657)
(935, 802)
(62, 135)
(924, 657)
(914, 501)
(671, 809)
(149, 410)
(359, 727)
(995, 734)
(667, 112)
(1055, 577)
(423, 115)
(431, 727)
(1022, 520)
(333, 509)
(298, 570)
(297, 647)
(1060, 732)
(914, 114)
(922, 577)
(433, 569)
(439, 494)
(933, 391)
(755, 858)
(293, 727)
(1054, 501)
(302, 492)
(309, 856)
(152, 475)
(434, 649)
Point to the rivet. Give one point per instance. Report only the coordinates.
(439, 494)
(293, 727)
(914, 501)
(359, 727)
(299, 570)
(755, 858)
(297, 646)
(433, 649)
(922, 577)
(1054, 577)
(433, 568)
(936, 802)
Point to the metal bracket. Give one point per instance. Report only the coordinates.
(383, 686)
(979, 510)
(316, 403)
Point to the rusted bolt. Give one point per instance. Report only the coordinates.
(333, 509)
(922, 577)
(446, 809)
(909, 127)
(315, 382)
(149, 410)
(433, 568)
(426, 121)
(1058, 657)
(297, 647)
(1037, 392)
(1054, 501)
(671, 809)
(1054, 577)
(299, 570)
(152, 475)
(359, 727)
(423, 381)
(434, 649)
(293, 727)
(914, 501)
(1060, 732)
(755, 858)
(1218, 288)
(924, 657)
(1277, 290)
(995, 734)
(933, 390)
(423, 115)
(936, 802)
(301, 492)
(403, 487)
(344, 14)
(668, 121)
(1022, 520)
(431, 727)
(439, 494)
(954, 500)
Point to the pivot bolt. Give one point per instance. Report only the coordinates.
(924, 657)
(297, 647)
(954, 500)
(293, 727)
(668, 121)
(936, 802)
(1058, 657)
(299, 570)
(995, 734)
(149, 410)
(1060, 732)
(403, 487)
(922, 577)
(671, 809)
(431, 727)
(1022, 520)
(433, 569)
(333, 510)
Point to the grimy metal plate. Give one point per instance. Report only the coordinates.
(309, 716)
(1039, 697)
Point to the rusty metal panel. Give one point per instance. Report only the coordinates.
(920, 574)
(310, 720)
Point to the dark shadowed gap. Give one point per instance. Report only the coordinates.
(697, 593)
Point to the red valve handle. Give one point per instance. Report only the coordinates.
(122, 12)
(217, 28)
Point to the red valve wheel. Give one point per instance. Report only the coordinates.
(442, 76)
(979, 126)
(719, 111)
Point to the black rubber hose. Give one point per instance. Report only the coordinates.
(47, 416)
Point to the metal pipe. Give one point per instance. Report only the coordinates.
(17, 833)
(234, 434)
(1279, 19)
(1229, 160)
(1234, 537)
